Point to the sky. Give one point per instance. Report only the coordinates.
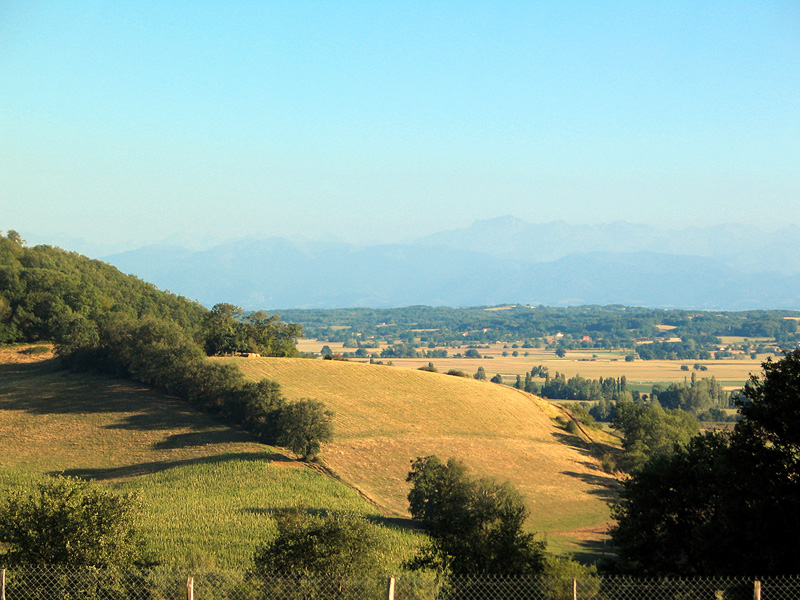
(128, 123)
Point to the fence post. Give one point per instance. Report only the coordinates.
(390, 589)
(2, 584)
(190, 588)
(757, 590)
(574, 589)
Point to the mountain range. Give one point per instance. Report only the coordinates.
(495, 261)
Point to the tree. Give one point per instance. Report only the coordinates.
(649, 431)
(223, 331)
(71, 522)
(15, 237)
(770, 407)
(303, 426)
(480, 374)
(727, 503)
(475, 525)
(331, 545)
(337, 550)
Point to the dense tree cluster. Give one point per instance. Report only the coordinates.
(49, 294)
(683, 350)
(52, 295)
(726, 503)
(697, 396)
(227, 330)
(579, 388)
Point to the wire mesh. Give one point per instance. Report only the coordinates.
(85, 583)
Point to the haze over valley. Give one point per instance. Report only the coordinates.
(494, 261)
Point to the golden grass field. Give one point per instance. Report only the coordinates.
(387, 416)
(591, 364)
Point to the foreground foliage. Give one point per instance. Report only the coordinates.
(66, 521)
(332, 545)
(475, 525)
(727, 503)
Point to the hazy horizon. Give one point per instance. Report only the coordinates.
(95, 249)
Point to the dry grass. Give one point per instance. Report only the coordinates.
(385, 417)
(53, 421)
(591, 364)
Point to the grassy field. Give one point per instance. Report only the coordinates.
(208, 491)
(591, 364)
(385, 417)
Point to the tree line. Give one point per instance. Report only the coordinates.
(608, 327)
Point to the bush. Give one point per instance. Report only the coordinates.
(303, 427)
(66, 521)
(337, 551)
(608, 463)
(475, 525)
(457, 373)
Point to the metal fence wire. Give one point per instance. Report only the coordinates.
(163, 583)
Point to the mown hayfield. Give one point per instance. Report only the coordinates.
(208, 491)
(590, 364)
(386, 416)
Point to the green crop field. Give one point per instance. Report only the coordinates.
(207, 491)
(386, 416)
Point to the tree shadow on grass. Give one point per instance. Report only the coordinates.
(62, 392)
(595, 552)
(28, 369)
(140, 408)
(149, 468)
(207, 437)
(391, 522)
(594, 450)
(173, 414)
(605, 487)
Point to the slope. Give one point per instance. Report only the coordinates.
(387, 416)
(208, 491)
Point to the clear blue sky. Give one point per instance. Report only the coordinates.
(142, 121)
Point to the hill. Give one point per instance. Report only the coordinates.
(208, 491)
(386, 416)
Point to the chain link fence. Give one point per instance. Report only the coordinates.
(80, 583)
